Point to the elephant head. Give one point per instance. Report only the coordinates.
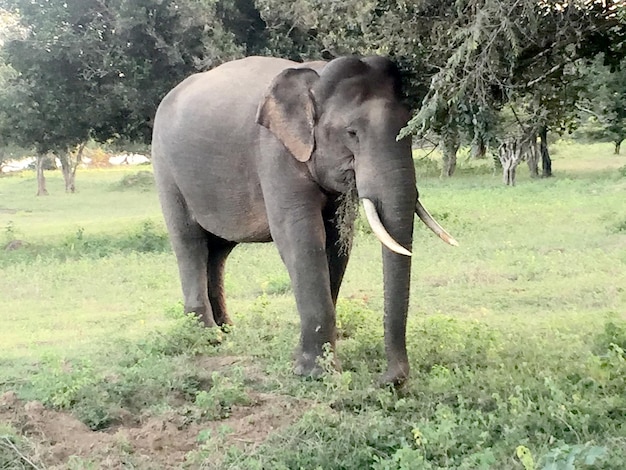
(343, 123)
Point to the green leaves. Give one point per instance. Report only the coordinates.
(85, 69)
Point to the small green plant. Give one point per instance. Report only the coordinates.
(78, 463)
(571, 457)
(619, 226)
(149, 239)
(185, 335)
(276, 285)
(614, 333)
(225, 392)
(60, 383)
(10, 232)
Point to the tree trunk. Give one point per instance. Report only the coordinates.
(67, 171)
(532, 157)
(479, 148)
(41, 177)
(546, 161)
(450, 145)
(510, 153)
(618, 144)
(69, 164)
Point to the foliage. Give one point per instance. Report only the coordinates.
(604, 104)
(516, 49)
(225, 392)
(83, 69)
(463, 62)
(89, 69)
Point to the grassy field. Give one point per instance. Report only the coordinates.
(516, 338)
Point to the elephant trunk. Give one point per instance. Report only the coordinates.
(393, 194)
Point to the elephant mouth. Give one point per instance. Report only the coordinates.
(349, 181)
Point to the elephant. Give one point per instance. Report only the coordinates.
(264, 149)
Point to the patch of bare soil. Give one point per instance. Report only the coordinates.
(157, 442)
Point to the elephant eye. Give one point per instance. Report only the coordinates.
(351, 133)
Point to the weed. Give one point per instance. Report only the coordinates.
(10, 232)
(146, 238)
(225, 392)
(61, 383)
(276, 285)
(614, 334)
(573, 456)
(619, 227)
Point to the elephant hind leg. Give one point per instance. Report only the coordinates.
(190, 244)
(192, 254)
(219, 249)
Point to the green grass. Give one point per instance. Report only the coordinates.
(516, 338)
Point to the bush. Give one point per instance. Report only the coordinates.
(141, 181)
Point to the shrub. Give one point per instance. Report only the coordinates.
(141, 181)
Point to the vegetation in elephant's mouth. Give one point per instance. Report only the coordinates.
(347, 212)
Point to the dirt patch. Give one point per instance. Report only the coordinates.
(157, 442)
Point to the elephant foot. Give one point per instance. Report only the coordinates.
(203, 314)
(223, 320)
(395, 376)
(307, 365)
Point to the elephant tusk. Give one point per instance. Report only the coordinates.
(379, 229)
(432, 224)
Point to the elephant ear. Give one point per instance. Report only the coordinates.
(288, 111)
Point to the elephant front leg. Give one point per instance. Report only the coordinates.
(301, 244)
(311, 286)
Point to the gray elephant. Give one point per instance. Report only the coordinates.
(263, 149)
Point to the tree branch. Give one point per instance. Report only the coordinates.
(524, 128)
(585, 110)
(12, 446)
(544, 76)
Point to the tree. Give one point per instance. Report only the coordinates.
(463, 61)
(523, 53)
(604, 102)
(94, 69)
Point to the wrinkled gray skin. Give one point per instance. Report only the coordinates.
(259, 149)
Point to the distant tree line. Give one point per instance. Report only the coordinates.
(477, 72)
